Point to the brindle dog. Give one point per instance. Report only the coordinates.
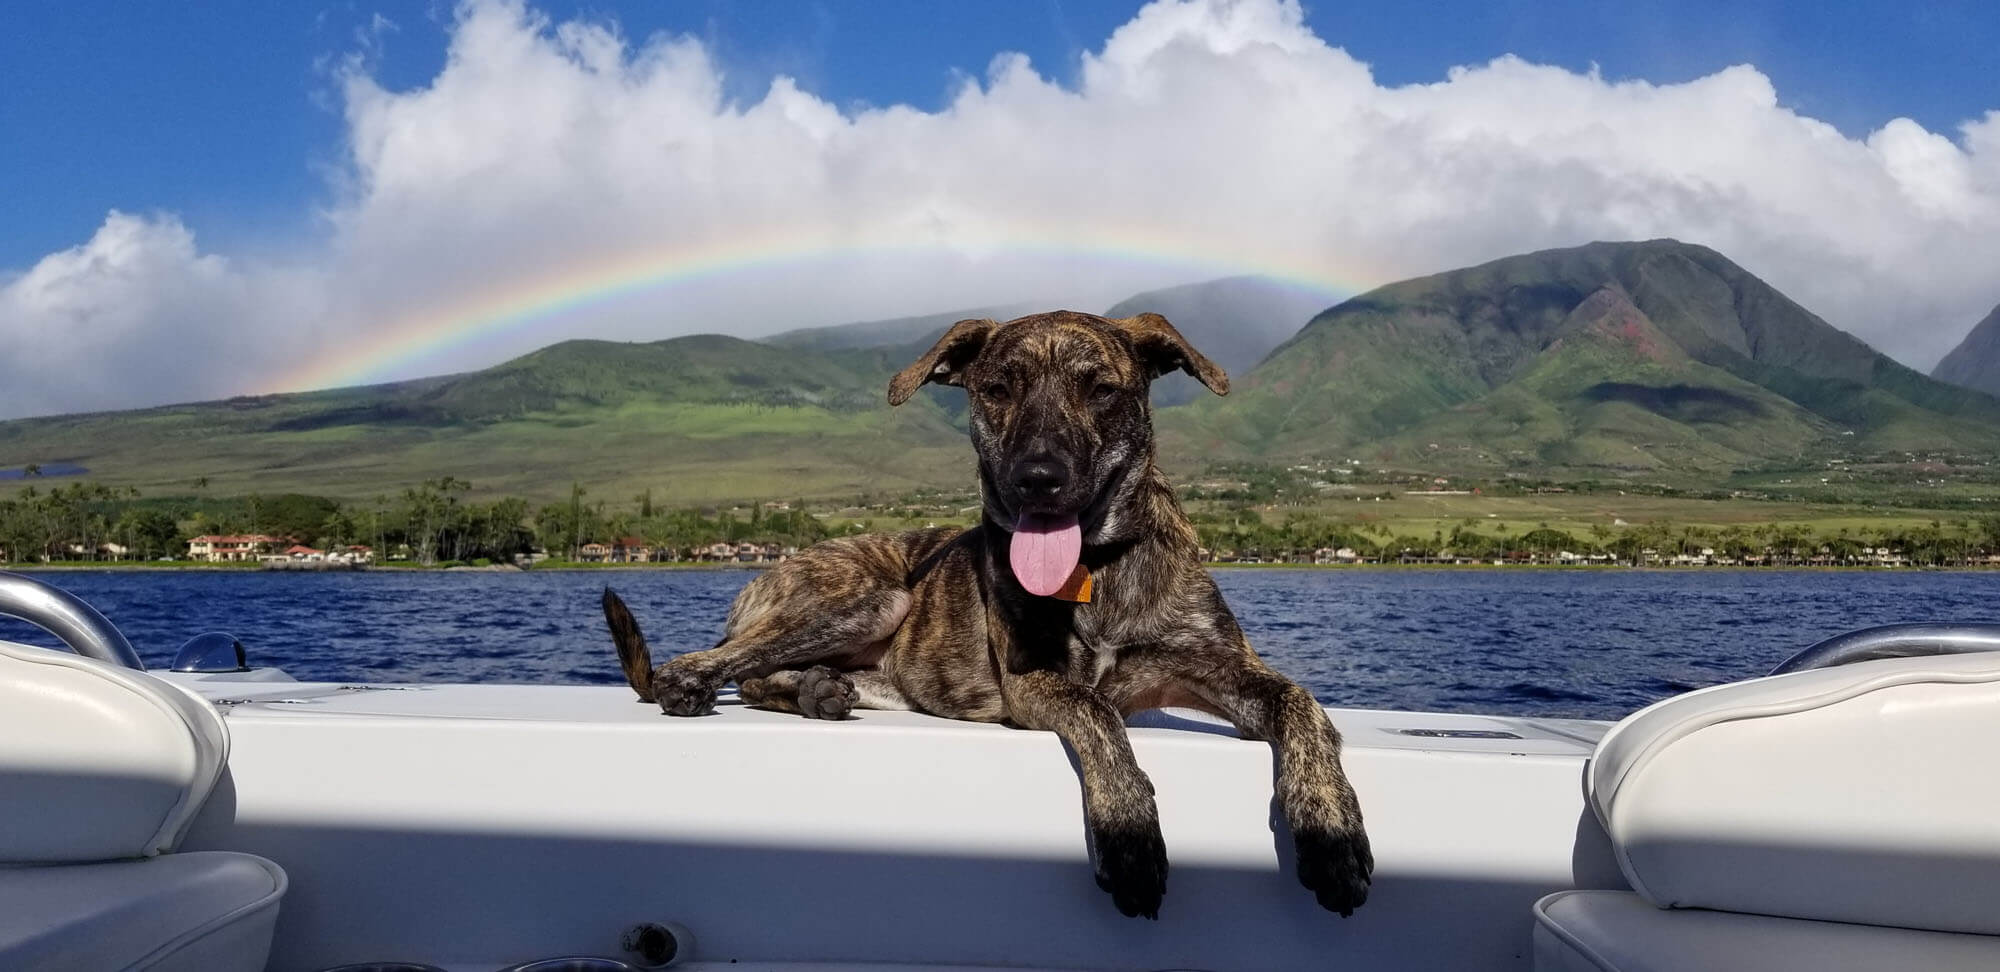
(936, 621)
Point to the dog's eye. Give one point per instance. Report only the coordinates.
(1104, 390)
(995, 391)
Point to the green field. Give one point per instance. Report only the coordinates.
(1577, 514)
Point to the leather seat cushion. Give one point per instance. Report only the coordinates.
(210, 910)
(1618, 931)
(1860, 794)
(98, 762)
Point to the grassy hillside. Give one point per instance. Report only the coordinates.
(1655, 360)
(695, 419)
(1607, 359)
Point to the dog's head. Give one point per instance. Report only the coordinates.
(1059, 410)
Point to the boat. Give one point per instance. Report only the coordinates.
(218, 815)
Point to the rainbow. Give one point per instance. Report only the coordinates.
(432, 333)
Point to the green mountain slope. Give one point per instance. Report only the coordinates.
(1481, 368)
(695, 419)
(1658, 359)
(1975, 363)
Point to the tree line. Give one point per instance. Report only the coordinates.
(432, 523)
(1242, 534)
(435, 522)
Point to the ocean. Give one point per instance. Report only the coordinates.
(1557, 643)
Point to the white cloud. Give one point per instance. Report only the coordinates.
(138, 316)
(1215, 136)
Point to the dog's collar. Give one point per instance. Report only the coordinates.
(1077, 588)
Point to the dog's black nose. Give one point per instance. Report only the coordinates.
(1041, 476)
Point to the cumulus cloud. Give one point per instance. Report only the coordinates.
(1202, 138)
(136, 316)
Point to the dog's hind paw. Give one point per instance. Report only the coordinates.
(1132, 867)
(1336, 865)
(825, 693)
(682, 693)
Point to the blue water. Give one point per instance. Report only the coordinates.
(1579, 644)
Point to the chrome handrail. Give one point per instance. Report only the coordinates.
(70, 618)
(1895, 641)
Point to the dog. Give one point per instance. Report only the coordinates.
(1079, 599)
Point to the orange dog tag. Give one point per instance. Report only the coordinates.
(1077, 588)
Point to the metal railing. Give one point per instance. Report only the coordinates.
(1895, 641)
(70, 618)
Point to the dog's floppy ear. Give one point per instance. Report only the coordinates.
(945, 362)
(1164, 350)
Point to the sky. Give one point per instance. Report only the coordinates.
(233, 197)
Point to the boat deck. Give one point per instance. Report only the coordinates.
(475, 825)
(251, 697)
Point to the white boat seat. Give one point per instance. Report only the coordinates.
(1835, 815)
(195, 911)
(102, 770)
(1618, 931)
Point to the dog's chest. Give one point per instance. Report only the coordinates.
(1111, 622)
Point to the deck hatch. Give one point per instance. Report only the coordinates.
(1458, 733)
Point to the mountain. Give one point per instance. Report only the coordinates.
(1975, 363)
(695, 419)
(1235, 321)
(1657, 358)
(897, 332)
(1605, 358)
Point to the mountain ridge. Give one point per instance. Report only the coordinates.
(1655, 358)
(1363, 375)
(1975, 363)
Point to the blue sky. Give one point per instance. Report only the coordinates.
(231, 196)
(222, 111)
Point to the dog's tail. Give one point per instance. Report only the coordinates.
(631, 644)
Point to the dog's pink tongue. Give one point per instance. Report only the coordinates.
(1044, 551)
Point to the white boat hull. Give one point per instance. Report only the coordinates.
(471, 826)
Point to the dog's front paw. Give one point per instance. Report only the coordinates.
(825, 693)
(681, 692)
(1131, 862)
(1335, 863)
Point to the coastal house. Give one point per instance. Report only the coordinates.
(230, 548)
(631, 550)
(1699, 557)
(1336, 555)
(354, 553)
(299, 551)
(594, 553)
(716, 552)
